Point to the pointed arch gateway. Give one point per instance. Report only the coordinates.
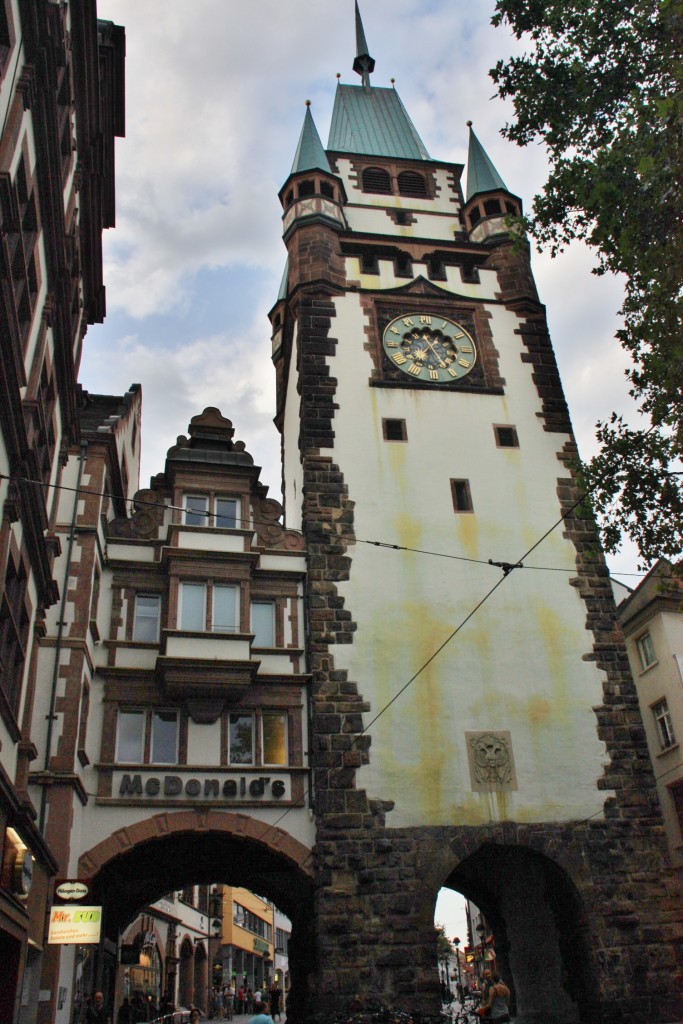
(138, 864)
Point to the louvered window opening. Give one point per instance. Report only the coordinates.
(375, 179)
(412, 184)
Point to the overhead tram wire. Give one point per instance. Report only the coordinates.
(507, 570)
(267, 522)
(440, 648)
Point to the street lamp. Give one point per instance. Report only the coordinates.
(481, 928)
(456, 943)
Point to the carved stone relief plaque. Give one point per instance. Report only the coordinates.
(490, 759)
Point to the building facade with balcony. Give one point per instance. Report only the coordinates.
(191, 695)
(61, 106)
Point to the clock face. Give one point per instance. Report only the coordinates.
(429, 347)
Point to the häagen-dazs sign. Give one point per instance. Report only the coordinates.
(218, 787)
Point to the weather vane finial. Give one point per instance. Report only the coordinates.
(364, 64)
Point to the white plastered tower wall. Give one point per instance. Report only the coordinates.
(518, 665)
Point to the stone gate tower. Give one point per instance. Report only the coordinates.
(474, 723)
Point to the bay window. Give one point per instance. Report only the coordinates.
(193, 606)
(207, 510)
(225, 608)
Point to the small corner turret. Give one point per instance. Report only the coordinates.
(489, 202)
(312, 191)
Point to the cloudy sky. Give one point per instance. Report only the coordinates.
(215, 102)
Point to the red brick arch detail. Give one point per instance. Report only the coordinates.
(162, 826)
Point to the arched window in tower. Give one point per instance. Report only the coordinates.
(492, 207)
(306, 188)
(410, 183)
(326, 189)
(376, 179)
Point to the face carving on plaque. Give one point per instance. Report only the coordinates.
(429, 347)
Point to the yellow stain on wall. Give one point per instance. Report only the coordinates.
(538, 710)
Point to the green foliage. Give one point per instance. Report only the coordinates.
(444, 945)
(601, 86)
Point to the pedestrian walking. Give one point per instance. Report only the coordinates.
(260, 1015)
(96, 1012)
(496, 1008)
(275, 997)
(229, 1001)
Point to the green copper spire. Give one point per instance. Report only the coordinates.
(310, 155)
(482, 176)
(364, 64)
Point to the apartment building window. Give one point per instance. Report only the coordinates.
(146, 620)
(147, 737)
(646, 650)
(195, 599)
(225, 607)
(274, 738)
(665, 730)
(203, 510)
(14, 628)
(193, 606)
(241, 739)
(263, 623)
(227, 511)
(244, 918)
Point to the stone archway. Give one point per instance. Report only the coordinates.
(138, 864)
(538, 922)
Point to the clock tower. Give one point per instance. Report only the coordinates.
(473, 721)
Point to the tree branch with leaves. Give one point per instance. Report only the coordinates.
(601, 86)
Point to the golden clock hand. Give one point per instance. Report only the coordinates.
(443, 365)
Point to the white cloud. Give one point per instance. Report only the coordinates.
(214, 104)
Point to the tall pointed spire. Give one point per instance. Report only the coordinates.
(364, 64)
(482, 176)
(310, 155)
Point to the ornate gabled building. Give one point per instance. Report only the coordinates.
(61, 106)
(185, 694)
